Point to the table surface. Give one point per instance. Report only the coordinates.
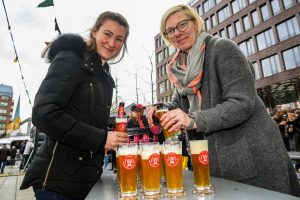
(294, 155)
(106, 188)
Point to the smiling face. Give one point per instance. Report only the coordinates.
(182, 40)
(110, 38)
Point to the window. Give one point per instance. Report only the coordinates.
(158, 72)
(238, 5)
(4, 97)
(223, 14)
(287, 3)
(2, 125)
(3, 118)
(265, 12)
(275, 7)
(230, 32)
(256, 70)
(251, 1)
(255, 18)
(270, 65)
(222, 33)
(199, 10)
(246, 23)
(218, 1)
(238, 28)
(214, 20)
(160, 56)
(3, 104)
(265, 39)
(207, 5)
(3, 111)
(287, 29)
(207, 24)
(247, 47)
(162, 87)
(291, 58)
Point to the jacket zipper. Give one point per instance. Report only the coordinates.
(92, 93)
(48, 170)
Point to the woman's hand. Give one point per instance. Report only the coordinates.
(175, 120)
(151, 111)
(114, 138)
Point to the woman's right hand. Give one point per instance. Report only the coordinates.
(150, 113)
(115, 138)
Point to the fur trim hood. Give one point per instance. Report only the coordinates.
(71, 42)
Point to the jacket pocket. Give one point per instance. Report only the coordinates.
(92, 102)
(235, 161)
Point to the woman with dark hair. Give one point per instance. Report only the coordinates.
(72, 108)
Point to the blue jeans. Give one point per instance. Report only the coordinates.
(2, 165)
(44, 194)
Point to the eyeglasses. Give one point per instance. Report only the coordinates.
(181, 26)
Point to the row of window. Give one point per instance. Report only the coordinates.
(4, 97)
(3, 111)
(169, 50)
(247, 21)
(3, 118)
(271, 64)
(164, 86)
(3, 104)
(165, 99)
(265, 39)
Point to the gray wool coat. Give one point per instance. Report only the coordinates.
(244, 142)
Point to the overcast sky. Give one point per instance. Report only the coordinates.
(32, 26)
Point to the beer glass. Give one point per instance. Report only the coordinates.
(161, 109)
(127, 161)
(200, 162)
(118, 166)
(162, 168)
(121, 124)
(150, 155)
(173, 166)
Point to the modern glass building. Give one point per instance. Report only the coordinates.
(268, 33)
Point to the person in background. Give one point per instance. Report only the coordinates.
(26, 153)
(281, 120)
(72, 108)
(215, 97)
(4, 153)
(13, 153)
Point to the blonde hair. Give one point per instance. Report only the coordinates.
(188, 11)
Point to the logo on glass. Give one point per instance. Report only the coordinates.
(129, 162)
(154, 160)
(172, 159)
(203, 157)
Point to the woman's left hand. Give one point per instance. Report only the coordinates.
(175, 120)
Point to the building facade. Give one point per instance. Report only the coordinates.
(268, 33)
(6, 106)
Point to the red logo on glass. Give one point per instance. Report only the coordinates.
(129, 162)
(171, 159)
(154, 160)
(203, 157)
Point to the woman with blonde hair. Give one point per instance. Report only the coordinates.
(215, 99)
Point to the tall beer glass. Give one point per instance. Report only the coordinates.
(121, 124)
(150, 154)
(162, 168)
(173, 166)
(127, 161)
(160, 111)
(200, 161)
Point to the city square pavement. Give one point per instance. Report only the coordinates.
(10, 182)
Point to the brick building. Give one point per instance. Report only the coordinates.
(6, 106)
(268, 33)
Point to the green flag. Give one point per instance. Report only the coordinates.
(46, 3)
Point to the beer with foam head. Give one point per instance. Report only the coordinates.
(127, 161)
(167, 134)
(121, 124)
(173, 166)
(200, 161)
(151, 171)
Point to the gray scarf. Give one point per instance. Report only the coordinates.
(187, 76)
